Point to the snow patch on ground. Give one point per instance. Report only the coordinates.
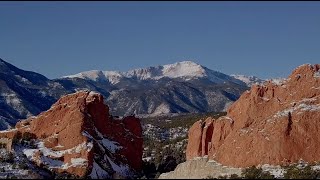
(121, 169)
(79, 162)
(162, 109)
(30, 152)
(147, 158)
(98, 173)
(317, 167)
(46, 153)
(91, 93)
(77, 149)
(111, 145)
(305, 107)
(229, 118)
(284, 112)
(277, 171)
(9, 130)
(300, 107)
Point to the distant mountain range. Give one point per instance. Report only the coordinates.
(181, 87)
(249, 80)
(185, 71)
(174, 88)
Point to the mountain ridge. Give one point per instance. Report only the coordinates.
(182, 69)
(153, 90)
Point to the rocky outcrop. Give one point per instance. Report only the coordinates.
(77, 135)
(201, 168)
(273, 123)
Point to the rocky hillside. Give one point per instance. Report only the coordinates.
(24, 93)
(78, 136)
(273, 123)
(176, 88)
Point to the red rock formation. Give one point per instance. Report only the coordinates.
(78, 134)
(272, 123)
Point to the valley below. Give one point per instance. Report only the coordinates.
(165, 141)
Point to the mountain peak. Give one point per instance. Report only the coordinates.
(92, 75)
(187, 62)
(183, 69)
(184, 63)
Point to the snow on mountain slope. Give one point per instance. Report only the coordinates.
(93, 75)
(249, 80)
(113, 76)
(185, 69)
(4, 123)
(162, 109)
(24, 93)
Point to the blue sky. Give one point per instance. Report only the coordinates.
(266, 39)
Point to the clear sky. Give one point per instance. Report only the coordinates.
(266, 39)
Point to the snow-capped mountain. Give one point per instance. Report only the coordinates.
(186, 70)
(277, 80)
(174, 88)
(249, 80)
